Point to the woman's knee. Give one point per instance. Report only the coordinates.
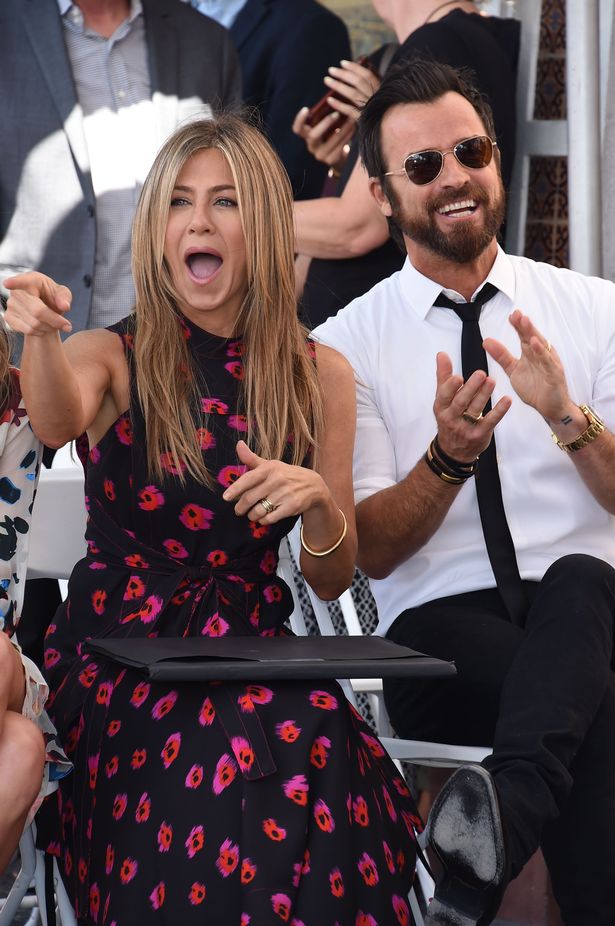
(12, 684)
(22, 756)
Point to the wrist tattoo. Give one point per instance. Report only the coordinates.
(567, 420)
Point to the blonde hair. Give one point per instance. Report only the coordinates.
(280, 393)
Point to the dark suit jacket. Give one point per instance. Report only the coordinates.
(285, 48)
(47, 204)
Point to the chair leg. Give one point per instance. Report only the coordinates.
(23, 880)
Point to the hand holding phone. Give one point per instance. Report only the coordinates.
(351, 85)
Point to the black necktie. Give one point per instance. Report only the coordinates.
(500, 547)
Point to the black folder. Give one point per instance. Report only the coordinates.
(257, 658)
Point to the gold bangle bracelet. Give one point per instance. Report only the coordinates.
(337, 543)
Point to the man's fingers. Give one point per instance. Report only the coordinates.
(498, 411)
(498, 352)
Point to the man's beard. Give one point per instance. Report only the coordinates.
(463, 242)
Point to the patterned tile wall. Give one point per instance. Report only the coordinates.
(546, 232)
(367, 31)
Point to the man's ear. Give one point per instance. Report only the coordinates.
(377, 191)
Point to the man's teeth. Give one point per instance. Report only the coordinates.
(462, 206)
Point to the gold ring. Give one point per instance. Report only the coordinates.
(267, 505)
(472, 419)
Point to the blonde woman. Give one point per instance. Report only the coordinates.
(24, 727)
(213, 424)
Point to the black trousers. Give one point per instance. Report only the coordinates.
(543, 695)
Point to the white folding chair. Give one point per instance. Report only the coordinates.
(56, 543)
(444, 755)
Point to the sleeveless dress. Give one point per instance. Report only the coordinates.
(218, 803)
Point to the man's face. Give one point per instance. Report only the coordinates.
(423, 213)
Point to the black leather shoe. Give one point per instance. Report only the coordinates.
(466, 834)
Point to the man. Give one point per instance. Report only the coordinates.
(346, 236)
(90, 90)
(499, 557)
(285, 49)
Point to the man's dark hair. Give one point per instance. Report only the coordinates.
(418, 80)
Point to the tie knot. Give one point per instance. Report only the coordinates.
(468, 311)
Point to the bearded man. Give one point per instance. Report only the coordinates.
(485, 488)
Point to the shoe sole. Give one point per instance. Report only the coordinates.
(465, 833)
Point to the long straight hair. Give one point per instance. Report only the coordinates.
(280, 393)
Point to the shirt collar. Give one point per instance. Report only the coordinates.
(421, 292)
(135, 8)
(223, 11)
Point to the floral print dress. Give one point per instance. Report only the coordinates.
(218, 803)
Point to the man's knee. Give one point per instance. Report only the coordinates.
(579, 571)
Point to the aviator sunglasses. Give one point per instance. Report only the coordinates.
(423, 167)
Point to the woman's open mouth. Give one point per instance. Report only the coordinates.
(203, 266)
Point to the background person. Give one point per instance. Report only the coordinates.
(184, 526)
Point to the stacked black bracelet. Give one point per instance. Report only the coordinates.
(446, 468)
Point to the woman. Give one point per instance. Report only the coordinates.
(24, 726)
(231, 803)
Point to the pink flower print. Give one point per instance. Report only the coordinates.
(103, 695)
(109, 489)
(123, 430)
(197, 893)
(296, 789)
(170, 750)
(150, 498)
(248, 871)
(388, 857)
(258, 530)
(52, 657)
(217, 558)
(114, 727)
(88, 675)
(288, 731)
(98, 600)
(109, 859)
(94, 902)
(215, 626)
(323, 817)
(281, 906)
(119, 806)
(401, 787)
(214, 406)
(235, 368)
(226, 771)
(254, 616)
(268, 563)
(93, 769)
(194, 777)
(164, 705)
(205, 438)
(336, 883)
(375, 746)
(324, 700)
(273, 831)
(389, 804)
(181, 597)
(150, 609)
(230, 474)
(243, 752)
(135, 587)
(165, 836)
(369, 870)
(272, 593)
(365, 919)
(140, 694)
(168, 463)
(196, 518)
(175, 549)
(97, 565)
(207, 713)
(235, 349)
(144, 808)
(228, 859)
(401, 910)
(360, 811)
(259, 694)
(111, 766)
(245, 919)
(94, 456)
(136, 561)
(157, 896)
(238, 423)
(128, 870)
(82, 870)
(195, 841)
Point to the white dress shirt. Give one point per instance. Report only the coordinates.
(391, 336)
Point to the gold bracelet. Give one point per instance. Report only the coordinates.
(595, 426)
(337, 543)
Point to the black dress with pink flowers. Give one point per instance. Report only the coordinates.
(229, 803)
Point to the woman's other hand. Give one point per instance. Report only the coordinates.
(37, 305)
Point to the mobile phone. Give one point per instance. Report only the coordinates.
(321, 109)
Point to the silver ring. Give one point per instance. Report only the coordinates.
(267, 505)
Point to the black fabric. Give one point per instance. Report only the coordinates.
(544, 696)
(489, 46)
(500, 547)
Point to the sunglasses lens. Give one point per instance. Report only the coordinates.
(474, 152)
(423, 167)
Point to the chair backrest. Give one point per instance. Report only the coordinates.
(58, 523)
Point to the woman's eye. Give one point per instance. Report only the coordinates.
(179, 201)
(225, 201)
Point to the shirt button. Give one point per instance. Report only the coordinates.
(87, 280)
